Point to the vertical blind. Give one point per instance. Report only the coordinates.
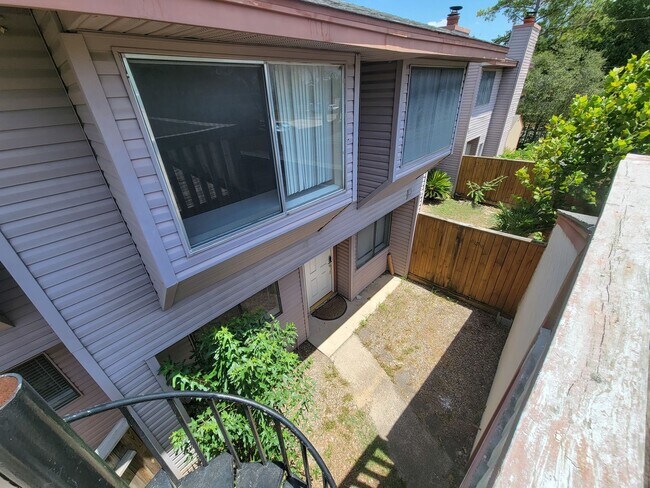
(485, 88)
(433, 99)
(371, 240)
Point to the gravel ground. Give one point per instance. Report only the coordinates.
(342, 433)
(442, 356)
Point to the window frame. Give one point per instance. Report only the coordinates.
(134, 94)
(478, 88)
(401, 169)
(56, 368)
(374, 252)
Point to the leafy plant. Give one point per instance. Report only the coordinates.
(522, 219)
(477, 191)
(525, 153)
(438, 186)
(577, 159)
(247, 356)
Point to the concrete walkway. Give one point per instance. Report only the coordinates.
(419, 458)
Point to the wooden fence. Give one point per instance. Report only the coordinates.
(486, 266)
(479, 169)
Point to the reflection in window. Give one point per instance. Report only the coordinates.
(372, 239)
(433, 98)
(211, 127)
(211, 124)
(308, 106)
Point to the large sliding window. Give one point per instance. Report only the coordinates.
(231, 160)
(373, 239)
(433, 101)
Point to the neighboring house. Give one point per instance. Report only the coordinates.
(161, 168)
(498, 94)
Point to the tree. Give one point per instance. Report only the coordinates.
(576, 160)
(556, 78)
(623, 30)
(248, 356)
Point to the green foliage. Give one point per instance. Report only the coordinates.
(438, 186)
(477, 191)
(526, 153)
(554, 80)
(523, 219)
(576, 160)
(248, 356)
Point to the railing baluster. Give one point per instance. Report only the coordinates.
(188, 433)
(224, 433)
(305, 461)
(283, 448)
(256, 436)
(149, 445)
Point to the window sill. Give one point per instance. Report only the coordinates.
(419, 164)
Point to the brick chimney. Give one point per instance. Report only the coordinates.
(452, 20)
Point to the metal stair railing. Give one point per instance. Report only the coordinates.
(279, 421)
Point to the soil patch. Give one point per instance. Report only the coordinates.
(442, 356)
(343, 434)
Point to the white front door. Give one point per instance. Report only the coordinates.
(320, 277)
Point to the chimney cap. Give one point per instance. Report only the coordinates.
(455, 9)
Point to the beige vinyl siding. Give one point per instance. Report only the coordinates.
(344, 264)
(376, 104)
(30, 334)
(93, 429)
(142, 160)
(401, 235)
(106, 297)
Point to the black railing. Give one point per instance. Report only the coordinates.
(172, 399)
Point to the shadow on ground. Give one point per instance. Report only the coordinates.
(448, 402)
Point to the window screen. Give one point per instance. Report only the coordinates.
(433, 99)
(48, 381)
(373, 239)
(485, 88)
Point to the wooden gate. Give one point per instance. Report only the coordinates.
(486, 266)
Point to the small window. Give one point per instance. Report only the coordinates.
(373, 239)
(433, 101)
(485, 88)
(48, 381)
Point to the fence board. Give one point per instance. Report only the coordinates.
(487, 266)
(479, 169)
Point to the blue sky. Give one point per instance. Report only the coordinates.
(436, 11)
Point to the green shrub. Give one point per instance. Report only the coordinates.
(526, 153)
(438, 186)
(577, 159)
(248, 356)
(477, 191)
(523, 219)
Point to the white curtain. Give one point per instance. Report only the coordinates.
(307, 105)
(433, 99)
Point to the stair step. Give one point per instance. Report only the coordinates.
(256, 475)
(217, 474)
(294, 483)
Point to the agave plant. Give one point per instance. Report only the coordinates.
(438, 185)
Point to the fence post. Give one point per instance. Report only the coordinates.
(37, 448)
